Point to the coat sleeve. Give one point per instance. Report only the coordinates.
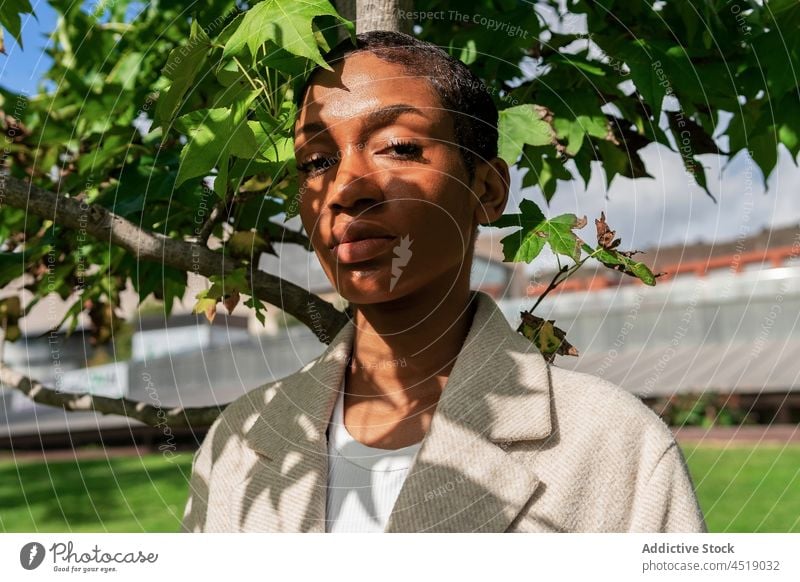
(667, 503)
(195, 513)
(197, 505)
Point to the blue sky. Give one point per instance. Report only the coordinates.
(20, 70)
(669, 209)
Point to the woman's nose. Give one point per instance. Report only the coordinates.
(355, 184)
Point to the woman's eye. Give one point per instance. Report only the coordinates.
(315, 165)
(406, 149)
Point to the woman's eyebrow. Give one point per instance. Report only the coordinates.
(314, 128)
(383, 116)
(373, 120)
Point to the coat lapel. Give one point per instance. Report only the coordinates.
(285, 490)
(463, 477)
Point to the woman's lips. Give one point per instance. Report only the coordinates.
(362, 250)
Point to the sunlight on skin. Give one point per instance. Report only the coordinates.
(401, 172)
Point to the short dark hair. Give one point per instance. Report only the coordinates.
(461, 92)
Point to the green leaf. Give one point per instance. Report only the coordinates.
(10, 309)
(165, 283)
(692, 138)
(246, 243)
(10, 19)
(229, 72)
(523, 245)
(288, 23)
(648, 72)
(544, 172)
(561, 238)
(526, 244)
(520, 125)
(183, 65)
(764, 150)
(73, 314)
(698, 172)
(619, 262)
(102, 156)
(213, 292)
(272, 144)
(578, 61)
(256, 213)
(291, 200)
(209, 132)
(243, 142)
(126, 70)
(617, 160)
(549, 339)
(572, 131)
(583, 163)
(576, 116)
(12, 265)
(788, 112)
(468, 53)
(259, 308)
(575, 130)
(234, 280)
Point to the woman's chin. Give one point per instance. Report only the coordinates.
(365, 289)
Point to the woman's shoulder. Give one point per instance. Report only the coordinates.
(596, 404)
(242, 411)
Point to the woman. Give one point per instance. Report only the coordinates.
(427, 412)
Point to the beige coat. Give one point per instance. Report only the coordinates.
(515, 445)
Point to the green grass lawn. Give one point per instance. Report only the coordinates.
(741, 489)
(747, 489)
(123, 494)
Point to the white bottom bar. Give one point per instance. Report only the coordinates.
(401, 557)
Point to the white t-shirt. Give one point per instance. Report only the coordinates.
(363, 482)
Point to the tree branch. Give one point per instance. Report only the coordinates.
(177, 417)
(194, 257)
(212, 220)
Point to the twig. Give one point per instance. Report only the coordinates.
(553, 284)
(211, 222)
(565, 270)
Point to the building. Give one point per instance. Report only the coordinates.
(722, 325)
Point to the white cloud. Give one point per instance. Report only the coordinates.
(671, 209)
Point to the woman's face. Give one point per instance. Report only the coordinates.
(384, 194)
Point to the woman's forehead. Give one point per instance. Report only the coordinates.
(362, 83)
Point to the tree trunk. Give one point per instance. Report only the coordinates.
(382, 15)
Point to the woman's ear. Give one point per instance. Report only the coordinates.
(491, 187)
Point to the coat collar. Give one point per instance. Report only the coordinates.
(498, 392)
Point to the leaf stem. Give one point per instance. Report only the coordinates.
(258, 87)
(567, 272)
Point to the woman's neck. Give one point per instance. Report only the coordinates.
(404, 350)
